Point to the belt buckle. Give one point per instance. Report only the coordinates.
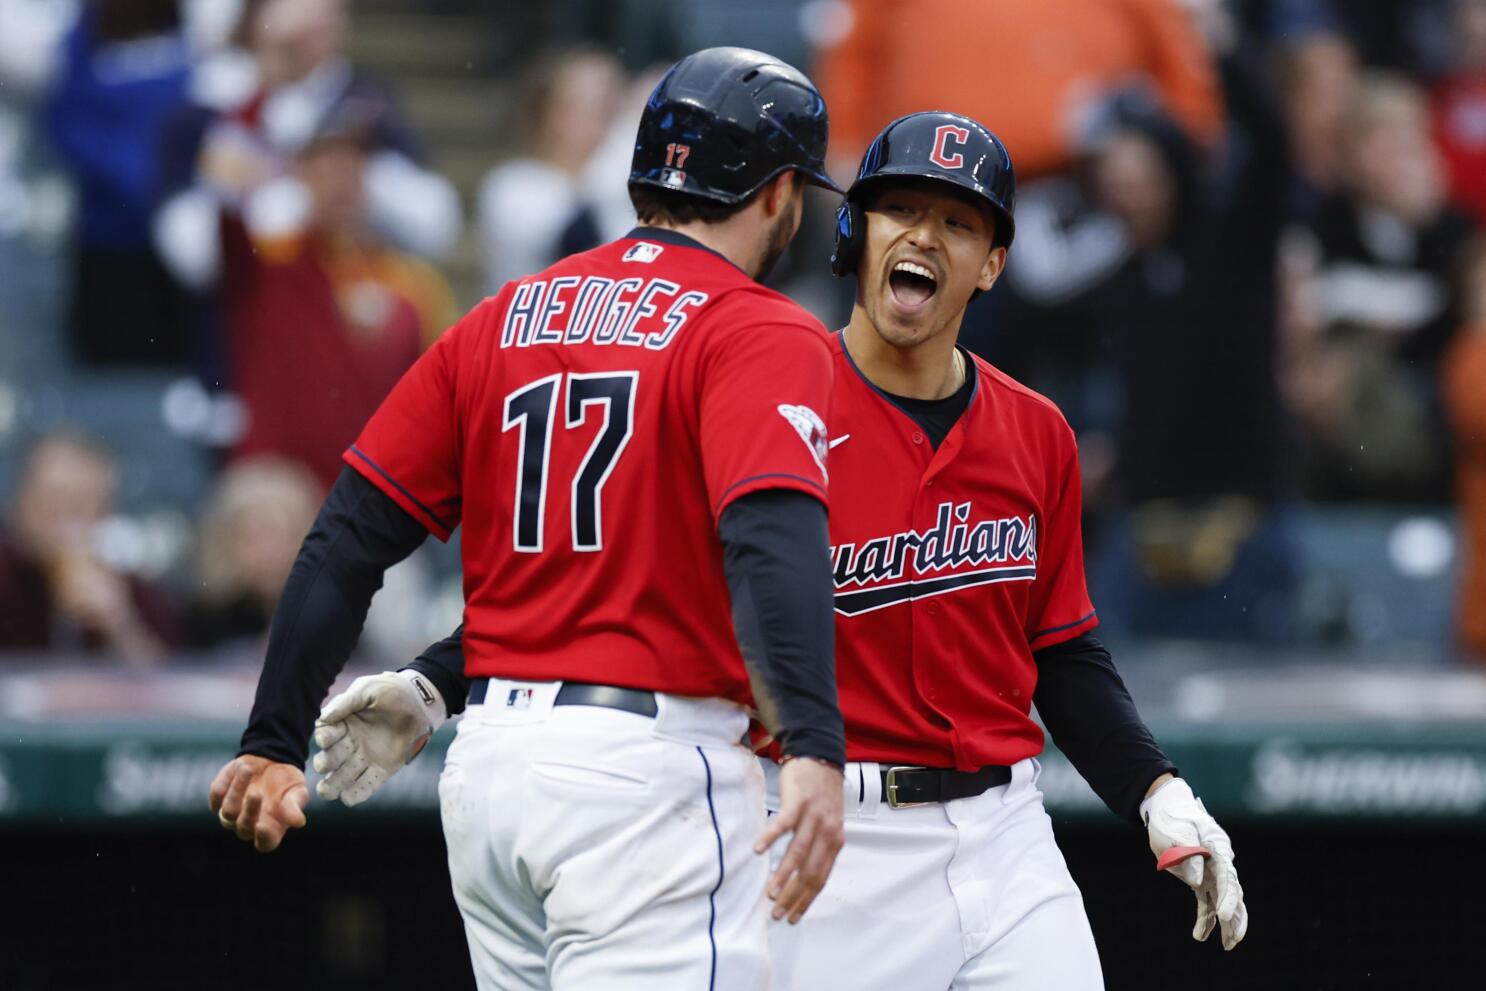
(892, 789)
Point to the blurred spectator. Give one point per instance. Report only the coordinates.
(1465, 397)
(55, 592)
(1189, 316)
(1404, 35)
(1374, 307)
(124, 71)
(258, 516)
(250, 534)
(1151, 291)
(323, 318)
(1460, 110)
(31, 32)
(605, 212)
(306, 79)
(1029, 71)
(257, 104)
(195, 175)
(1318, 79)
(281, 70)
(565, 105)
(35, 197)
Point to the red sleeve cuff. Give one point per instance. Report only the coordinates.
(1055, 635)
(372, 472)
(773, 480)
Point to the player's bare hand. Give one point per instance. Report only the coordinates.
(1189, 843)
(811, 808)
(259, 800)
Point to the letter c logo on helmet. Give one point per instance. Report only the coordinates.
(937, 146)
(942, 136)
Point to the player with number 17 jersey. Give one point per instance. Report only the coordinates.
(587, 427)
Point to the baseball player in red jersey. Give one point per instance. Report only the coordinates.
(632, 442)
(957, 568)
(958, 574)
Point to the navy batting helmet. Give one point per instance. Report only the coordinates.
(934, 145)
(724, 121)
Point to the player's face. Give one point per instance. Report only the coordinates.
(927, 250)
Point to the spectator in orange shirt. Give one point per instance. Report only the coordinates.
(1030, 70)
(1465, 399)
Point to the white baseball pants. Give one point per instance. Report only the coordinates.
(969, 895)
(592, 848)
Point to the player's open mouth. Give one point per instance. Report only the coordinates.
(912, 284)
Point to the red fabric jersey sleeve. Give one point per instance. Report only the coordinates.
(1060, 609)
(410, 448)
(765, 387)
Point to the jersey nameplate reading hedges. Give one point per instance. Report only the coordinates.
(597, 310)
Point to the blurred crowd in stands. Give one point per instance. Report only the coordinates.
(1249, 267)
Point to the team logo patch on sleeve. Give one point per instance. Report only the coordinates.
(812, 431)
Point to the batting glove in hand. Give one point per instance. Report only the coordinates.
(1190, 844)
(371, 729)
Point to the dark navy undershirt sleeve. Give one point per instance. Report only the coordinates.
(1084, 704)
(782, 614)
(443, 664)
(358, 534)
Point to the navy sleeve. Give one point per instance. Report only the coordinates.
(358, 534)
(1084, 704)
(783, 618)
(443, 664)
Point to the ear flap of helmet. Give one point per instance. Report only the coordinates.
(850, 234)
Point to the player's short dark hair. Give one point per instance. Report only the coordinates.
(655, 205)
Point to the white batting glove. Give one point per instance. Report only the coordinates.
(1190, 844)
(366, 733)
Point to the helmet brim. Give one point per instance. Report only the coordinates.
(819, 178)
(1005, 223)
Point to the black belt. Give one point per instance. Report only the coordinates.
(904, 787)
(639, 702)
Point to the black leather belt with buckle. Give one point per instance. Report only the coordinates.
(641, 703)
(906, 787)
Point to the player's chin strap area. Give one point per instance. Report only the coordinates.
(907, 787)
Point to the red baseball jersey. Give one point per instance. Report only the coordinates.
(951, 567)
(587, 426)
